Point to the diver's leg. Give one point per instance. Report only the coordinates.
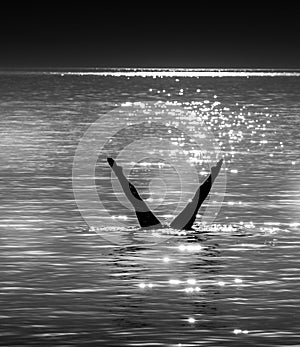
(187, 216)
(144, 215)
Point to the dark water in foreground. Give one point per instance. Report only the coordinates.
(237, 284)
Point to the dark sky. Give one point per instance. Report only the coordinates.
(184, 35)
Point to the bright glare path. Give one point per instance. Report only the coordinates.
(180, 73)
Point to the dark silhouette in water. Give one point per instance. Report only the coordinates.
(146, 218)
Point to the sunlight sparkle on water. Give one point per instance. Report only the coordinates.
(189, 248)
(240, 331)
(174, 281)
(189, 290)
(191, 281)
(144, 285)
(192, 289)
(119, 217)
(238, 280)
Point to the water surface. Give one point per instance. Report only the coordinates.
(236, 283)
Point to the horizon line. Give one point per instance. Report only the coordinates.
(154, 72)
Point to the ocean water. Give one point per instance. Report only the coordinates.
(234, 282)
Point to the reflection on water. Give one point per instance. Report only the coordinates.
(234, 283)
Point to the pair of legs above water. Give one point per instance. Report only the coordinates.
(146, 218)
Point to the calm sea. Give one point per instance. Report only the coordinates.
(235, 283)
